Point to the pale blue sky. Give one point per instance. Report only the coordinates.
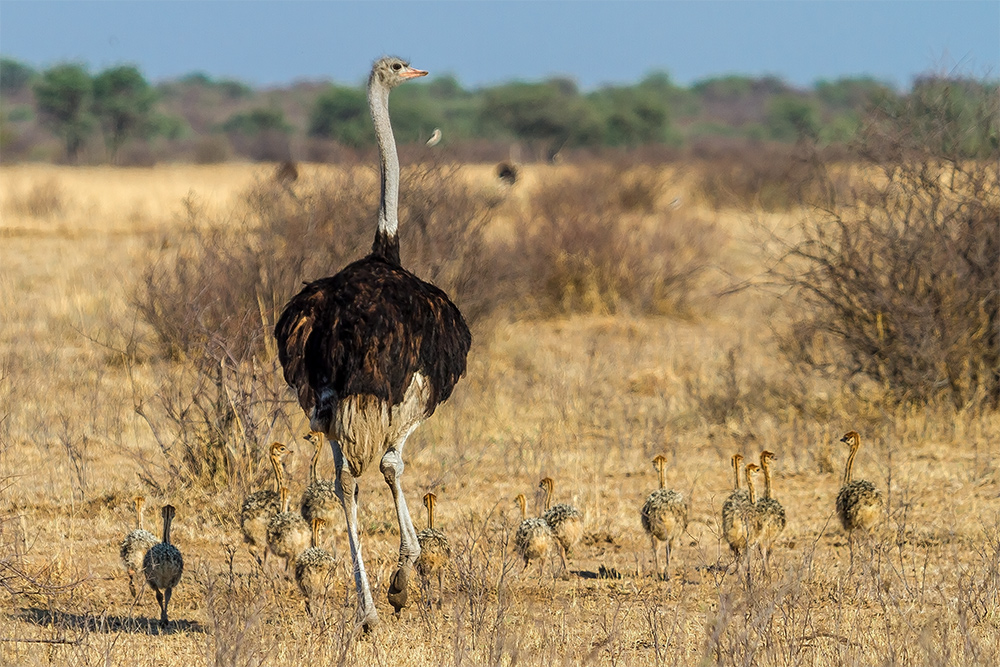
(489, 42)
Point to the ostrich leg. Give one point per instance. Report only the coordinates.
(656, 556)
(409, 547)
(346, 488)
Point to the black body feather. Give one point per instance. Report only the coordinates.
(366, 331)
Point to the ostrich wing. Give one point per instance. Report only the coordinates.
(367, 330)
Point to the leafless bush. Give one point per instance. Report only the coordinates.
(902, 273)
(81, 439)
(443, 240)
(43, 200)
(949, 117)
(591, 247)
(640, 192)
(23, 574)
(903, 279)
(484, 567)
(733, 397)
(236, 608)
(77, 448)
(772, 177)
(211, 425)
(216, 293)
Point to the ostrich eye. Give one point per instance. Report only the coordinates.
(397, 66)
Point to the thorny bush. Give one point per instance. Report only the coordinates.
(902, 274)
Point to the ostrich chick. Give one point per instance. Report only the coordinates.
(319, 500)
(288, 534)
(534, 538)
(313, 567)
(435, 552)
(135, 545)
(859, 503)
(737, 513)
(163, 565)
(770, 512)
(261, 506)
(565, 521)
(753, 519)
(664, 516)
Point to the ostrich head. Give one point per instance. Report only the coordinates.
(277, 451)
(737, 463)
(547, 487)
(315, 437)
(429, 500)
(139, 503)
(751, 469)
(851, 439)
(391, 71)
(522, 503)
(317, 529)
(167, 513)
(660, 463)
(765, 465)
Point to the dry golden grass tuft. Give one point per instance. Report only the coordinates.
(588, 399)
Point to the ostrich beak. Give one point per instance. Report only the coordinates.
(412, 73)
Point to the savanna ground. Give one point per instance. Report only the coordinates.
(587, 395)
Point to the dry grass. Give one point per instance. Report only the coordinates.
(588, 400)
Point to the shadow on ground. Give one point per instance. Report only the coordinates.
(105, 622)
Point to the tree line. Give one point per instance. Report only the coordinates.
(209, 119)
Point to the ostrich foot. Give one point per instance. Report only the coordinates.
(398, 586)
(366, 621)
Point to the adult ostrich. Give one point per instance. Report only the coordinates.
(371, 352)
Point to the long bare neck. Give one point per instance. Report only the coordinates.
(736, 474)
(314, 542)
(278, 476)
(753, 497)
(313, 464)
(766, 469)
(430, 513)
(138, 515)
(386, 243)
(850, 463)
(661, 471)
(524, 507)
(548, 496)
(166, 528)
